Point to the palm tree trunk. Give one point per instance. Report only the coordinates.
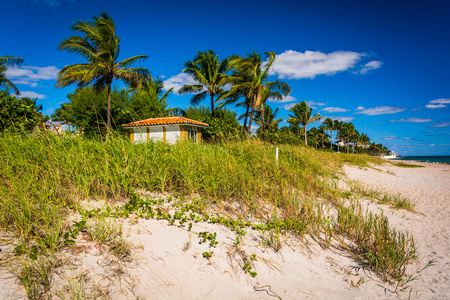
(306, 140)
(263, 124)
(251, 120)
(331, 146)
(212, 105)
(337, 136)
(108, 118)
(246, 117)
(348, 140)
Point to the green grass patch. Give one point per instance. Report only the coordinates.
(405, 165)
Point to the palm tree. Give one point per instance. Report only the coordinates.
(100, 46)
(314, 135)
(337, 125)
(266, 119)
(302, 115)
(250, 79)
(209, 72)
(322, 133)
(5, 62)
(364, 139)
(150, 100)
(329, 125)
(355, 138)
(347, 131)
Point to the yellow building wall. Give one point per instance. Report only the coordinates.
(183, 133)
(199, 136)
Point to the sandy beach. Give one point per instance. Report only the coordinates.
(168, 262)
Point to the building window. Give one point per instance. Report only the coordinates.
(192, 135)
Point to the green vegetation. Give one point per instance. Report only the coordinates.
(209, 72)
(302, 115)
(19, 115)
(405, 165)
(45, 176)
(100, 47)
(6, 62)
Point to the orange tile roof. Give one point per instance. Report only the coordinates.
(165, 121)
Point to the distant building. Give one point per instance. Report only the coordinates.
(168, 129)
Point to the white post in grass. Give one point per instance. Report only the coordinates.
(276, 155)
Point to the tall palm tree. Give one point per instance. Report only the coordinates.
(209, 72)
(347, 131)
(302, 115)
(337, 125)
(322, 134)
(355, 139)
(100, 47)
(250, 79)
(6, 62)
(329, 125)
(269, 117)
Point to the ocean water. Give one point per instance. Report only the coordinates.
(430, 159)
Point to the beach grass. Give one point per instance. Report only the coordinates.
(405, 165)
(45, 177)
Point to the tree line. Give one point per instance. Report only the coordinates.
(98, 106)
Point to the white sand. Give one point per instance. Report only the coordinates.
(161, 269)
(429, 189)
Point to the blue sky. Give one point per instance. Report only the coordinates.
(382, 65)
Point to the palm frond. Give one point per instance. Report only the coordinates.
(130, 61)
(10, 61)
(196, 99)
(190, 89)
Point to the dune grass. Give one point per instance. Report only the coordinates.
(405, 165)
(44, 177)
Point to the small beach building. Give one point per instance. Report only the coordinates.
(168, 129)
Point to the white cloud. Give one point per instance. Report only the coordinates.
(442, 124)
(389, 138)
(440, 101)
(25, 82)
(407, 138)
(289, 106)
(178, 81)
(379, 110)
(434, 106)
(315, 105)
(26, 74)
(32, 95)
(334, 109)
(296, 65)
(311, 104)
(416, 108)
(343, 119)
(285, 99)
(371, 65)
(412, 120)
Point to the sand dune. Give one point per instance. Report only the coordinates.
(165, 266)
